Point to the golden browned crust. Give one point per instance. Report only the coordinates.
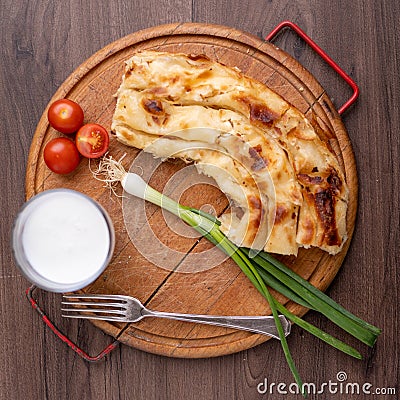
(276, 153)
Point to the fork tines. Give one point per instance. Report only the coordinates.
(102, 307)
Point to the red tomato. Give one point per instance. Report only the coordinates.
(61, 155)
(65, 116)
(92, 140)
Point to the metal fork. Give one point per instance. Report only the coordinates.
(120, 308)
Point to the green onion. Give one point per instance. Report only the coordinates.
(277, 285)
(261, 269)
(222, 242)
(316, 292)
(360, 329)
(336, 343)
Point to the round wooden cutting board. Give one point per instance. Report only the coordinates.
(179, 281)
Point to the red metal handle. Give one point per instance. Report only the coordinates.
(323, 55)
(60, 335)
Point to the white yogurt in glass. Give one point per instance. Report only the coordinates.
(62, 240)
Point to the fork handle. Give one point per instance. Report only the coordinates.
(258, 324)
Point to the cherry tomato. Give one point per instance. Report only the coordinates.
(65, 116)
(61, 155)
(92, 140)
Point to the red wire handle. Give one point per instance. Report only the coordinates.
(323, 55)
(60, 335)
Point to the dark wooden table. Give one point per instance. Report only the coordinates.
(42, 42)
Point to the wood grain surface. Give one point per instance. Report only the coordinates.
(44, 42)
(183, 274)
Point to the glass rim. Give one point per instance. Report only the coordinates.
(28, 271)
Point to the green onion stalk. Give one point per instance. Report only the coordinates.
(262, 269)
